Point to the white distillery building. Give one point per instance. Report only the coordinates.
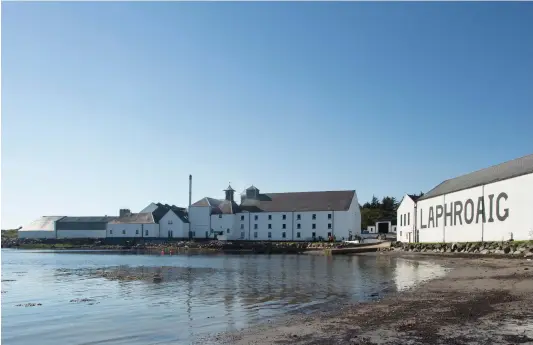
(154, 221)
(492, 204)
(300, 216)
(406, 218)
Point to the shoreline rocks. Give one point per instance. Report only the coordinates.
(509, 248)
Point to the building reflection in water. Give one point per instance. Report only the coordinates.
(242, 289)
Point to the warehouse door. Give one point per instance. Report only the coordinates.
(383, 228)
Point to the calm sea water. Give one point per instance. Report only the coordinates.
(207, 293)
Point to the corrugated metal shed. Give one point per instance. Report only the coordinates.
(45, 223)
(83, 223)
(516, 167)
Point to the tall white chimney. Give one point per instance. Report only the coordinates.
(190, 190)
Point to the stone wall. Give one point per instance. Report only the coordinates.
(510, 248)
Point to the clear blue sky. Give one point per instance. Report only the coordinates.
(112, 105)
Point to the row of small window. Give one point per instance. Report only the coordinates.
(284, 226)
(405, 219)
(283, 217)
(283, 234)
(124, 232)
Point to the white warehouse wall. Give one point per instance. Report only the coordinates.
(170, 225)
(224, 222)
(515, 213)
(200, 219)
(494, 212)
(132, 230)
(407, 207)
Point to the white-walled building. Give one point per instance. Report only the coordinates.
(300, 216)
(43, 228)
(82, 227)
(406, 219)
(492, 204)
(154, 221)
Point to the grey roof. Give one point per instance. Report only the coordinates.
(83, 223)
(414, 197)
(219, 206)
(135, 218)
(300, 201)
(516, 167)
(45, 223)
(284, 202)
(153, 214)
(182, 214)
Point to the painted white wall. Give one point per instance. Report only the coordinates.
(132, 230)
(406, 220)
(224, 223)
(519, 206)
(81, 233)
(346, 222)
(200, 220)
(170, 225)
(42, 234)
(242, 227)
(257, 226)
(475, 213)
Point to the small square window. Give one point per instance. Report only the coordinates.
(284, 226)
(256, 217)
(313, 234)
(269, 217)
(284, 217)
(298, 226)
(329, 215)
(270, 226)
(242, 235)
(314, 226)
(329, 226)
(329, 234)
(123, 232)
(111, 232)
(137, 232)
(269, 235)
(297, 235)
(255, 234)
(299, 216)
(242, 226)
(314, 215)
(146, 233)
(227, 231)
(283, 234)
(255, 226)
(169, 221)
(219, 216)
(242, 217)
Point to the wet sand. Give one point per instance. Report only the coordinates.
(480, 301)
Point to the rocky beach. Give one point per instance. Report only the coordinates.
(480, 301)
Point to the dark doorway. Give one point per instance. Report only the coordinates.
(383, 228)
